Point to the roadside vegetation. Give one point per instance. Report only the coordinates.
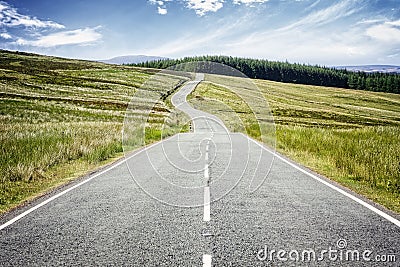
(350, 136)
(61, 118)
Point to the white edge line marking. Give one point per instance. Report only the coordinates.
(356, 199)
(20, 216)
(207, 259)
(207, 209)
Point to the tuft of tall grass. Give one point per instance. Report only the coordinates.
(29, 150)
(367, 155)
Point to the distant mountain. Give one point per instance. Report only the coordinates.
(372, 68)
(132, 59)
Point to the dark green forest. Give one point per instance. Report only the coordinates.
(295, 73)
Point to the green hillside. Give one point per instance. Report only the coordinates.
(60, 118)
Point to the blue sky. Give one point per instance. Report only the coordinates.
(326, 32)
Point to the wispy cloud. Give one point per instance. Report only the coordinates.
(210, 38)
(9, 17)
(75, 37)
(28, 30)
(327, 15)
(313, 47)
(324, 32)
(5, 35)
(314, 4)
(306, 40)
(370, 21)
(248, 2)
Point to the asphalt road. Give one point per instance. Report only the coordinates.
(188, 201)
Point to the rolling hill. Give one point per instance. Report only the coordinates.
(372, 68)
(60, 118)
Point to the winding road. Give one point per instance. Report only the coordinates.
(190, 200)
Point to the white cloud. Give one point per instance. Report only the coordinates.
(162, 11)
(9, 17)
(161, 7)
(5, 35)
(394, 23)
(386, 32)
(38, 29)
(201, 7)
(85, 36)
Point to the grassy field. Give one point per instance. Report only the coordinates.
(61, 118)
(352, 137)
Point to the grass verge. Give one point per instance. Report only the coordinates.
(349, 136)
(61, 118)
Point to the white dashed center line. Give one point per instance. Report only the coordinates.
(206, 174)
(207, 260)
(207, 208)
(207, 199)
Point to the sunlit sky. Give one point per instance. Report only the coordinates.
(325, 32)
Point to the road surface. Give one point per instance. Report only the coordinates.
(187, 201)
